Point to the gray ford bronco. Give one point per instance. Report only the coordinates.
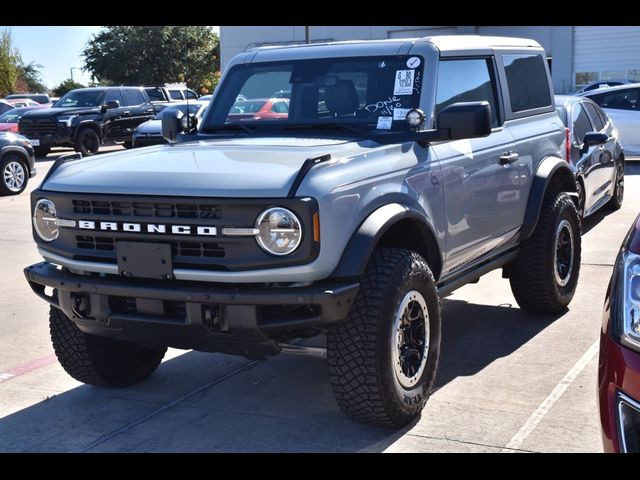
(395, 172)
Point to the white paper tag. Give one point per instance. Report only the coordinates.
(413, 62)
(384, 123)
(404, 82)
(400, 113)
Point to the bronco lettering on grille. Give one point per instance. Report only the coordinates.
(147, 228)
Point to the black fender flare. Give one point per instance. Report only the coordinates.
(356, 255)
(15, 149)
(550, 169)
(88, 123)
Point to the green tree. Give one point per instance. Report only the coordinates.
(30, 78)
(154, 55)
(65, 86)
(9, 59)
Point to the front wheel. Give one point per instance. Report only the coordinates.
(88, 142)
(14, 175)
(544, 277)
(383, 358)
(97, 360)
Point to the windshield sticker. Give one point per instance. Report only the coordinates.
(404, 82)
(413, 62)
(384, 123)
(400, 113)
(417, 82)
(382, 64)
(385, 107)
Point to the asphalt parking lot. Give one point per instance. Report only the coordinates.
(508, 381)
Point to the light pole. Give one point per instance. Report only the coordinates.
(72, 69)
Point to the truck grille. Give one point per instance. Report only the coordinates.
(182, 249)
(146, 209)
(38, 126)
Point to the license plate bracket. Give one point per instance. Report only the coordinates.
(35, 142)
(144, 260)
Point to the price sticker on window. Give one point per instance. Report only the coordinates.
(404, 82)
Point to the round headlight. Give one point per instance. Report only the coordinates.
(45, 220)
(280, 231)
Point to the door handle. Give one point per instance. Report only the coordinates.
(126, 112)
(508, 157)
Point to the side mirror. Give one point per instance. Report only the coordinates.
(113, 104)
(171, 125)
(595, 138)
(465, 120)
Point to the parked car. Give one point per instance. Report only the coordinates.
(260, 109)
(344, 219)
(150, 132)
(605, 84)
(41, 98)
(5, 106)
(205, 98)
(164, 96)
(9, 120)
(622, 106)
(17, 163)
(22, 102)
(593, 148)
(85, 118)
(619, 364)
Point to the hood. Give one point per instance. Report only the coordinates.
(54, 112)
(150, 127)
(240, 167)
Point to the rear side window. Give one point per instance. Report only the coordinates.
(527, 81)
(133, 97)
(595, 117)
(155, 94)
(466, 80)
(626, 99)
(175, 94)
(190, 95)
(581, 123)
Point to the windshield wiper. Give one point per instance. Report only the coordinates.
(250, 129)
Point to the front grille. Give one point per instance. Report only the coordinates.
(183, 249)
(146, 209)
(38, 126)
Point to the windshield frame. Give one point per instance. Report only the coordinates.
(369, 125)
(102, 94)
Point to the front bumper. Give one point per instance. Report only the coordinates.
(619, 395)
(191, 315)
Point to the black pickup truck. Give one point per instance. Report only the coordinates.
(86, 118)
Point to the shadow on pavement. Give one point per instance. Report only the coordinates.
(284, 404)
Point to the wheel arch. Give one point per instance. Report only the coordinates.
(553, 174)
(392, 225)
(88, 124)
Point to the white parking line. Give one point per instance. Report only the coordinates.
(532, 422)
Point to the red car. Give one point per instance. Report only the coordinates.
(260, 109)
(9, 120)
(619, 365)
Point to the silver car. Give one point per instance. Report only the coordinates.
(621, 105)
(593, 147)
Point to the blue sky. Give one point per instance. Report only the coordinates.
(57, 49)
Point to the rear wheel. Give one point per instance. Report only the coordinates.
(88, 142)
(14, 175)
(97, 360)
(383, 357)
(618, 192)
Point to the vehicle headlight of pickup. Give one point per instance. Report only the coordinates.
(280, 231)
(629, 331)
(45, 220)
(66, 119)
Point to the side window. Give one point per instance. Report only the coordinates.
(133, 97)
(176, 94)
(527, 81)
(280, 107)
(595, 117)
(113, 95)
(190, 95)
(626, 99)
(581, 123)
(466, 80)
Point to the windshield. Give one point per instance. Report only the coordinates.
(12, 116)
(368, 93)
(81, 98)
(193, 109)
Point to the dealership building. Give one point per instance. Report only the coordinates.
(578, 55)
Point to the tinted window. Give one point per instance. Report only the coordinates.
(190, 95)
(527, 81)
(581, 123)
(595, 117)
(175, 94)
(113, 95)
(133, 97)
(626, 99)
(280, 107)
(81, 98)
(155, 94)
(466, 81)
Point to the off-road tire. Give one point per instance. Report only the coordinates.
(618, 192)
(13, 169)
(359, 349)
(41, 151)
(87, 142)
(97, 360)
(533, 274)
